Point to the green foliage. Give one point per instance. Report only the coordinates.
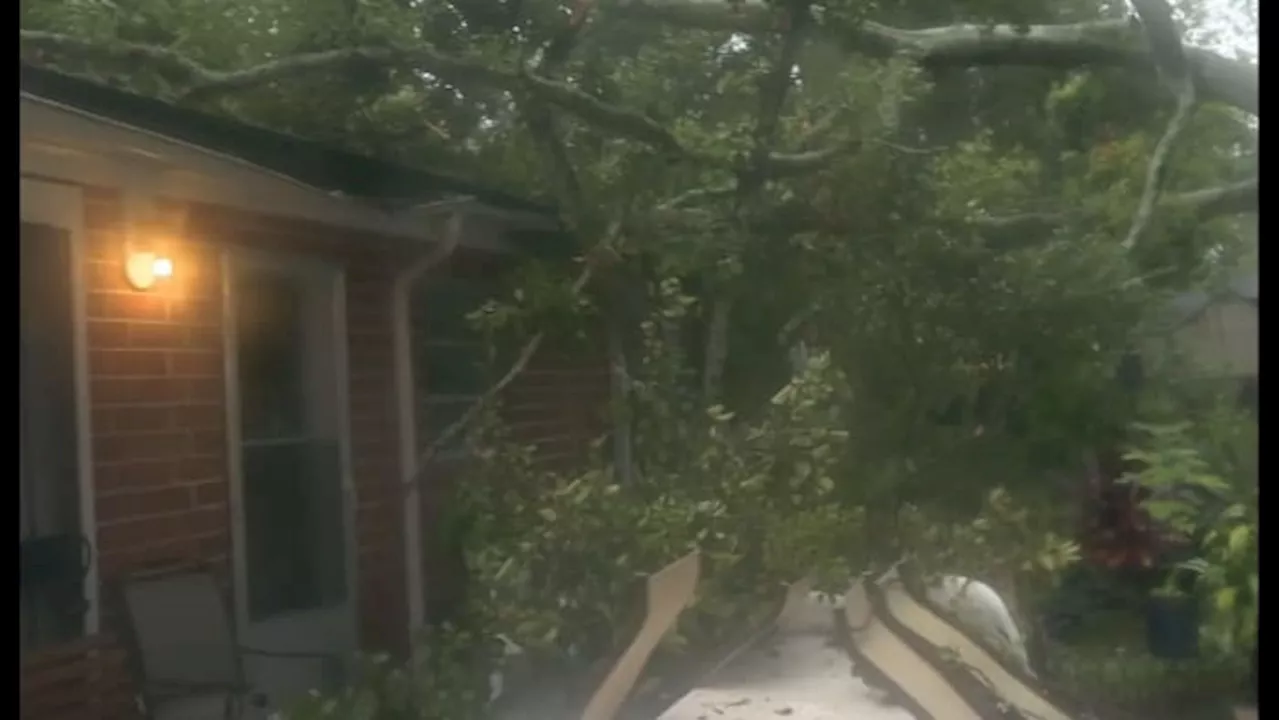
(1006, 541)
(1202, 479)
(957, 365)
(1122, 683)
(558, 557)
(447, 679)
(560, 578)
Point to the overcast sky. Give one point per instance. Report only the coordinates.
(1230, 27)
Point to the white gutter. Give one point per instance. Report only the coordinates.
(402, 330)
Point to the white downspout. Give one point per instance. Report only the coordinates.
(407, 401)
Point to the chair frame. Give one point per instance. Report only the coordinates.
(153, 692)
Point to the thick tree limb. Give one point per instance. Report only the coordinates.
(604, 115)
(1165, 43)
(1001, 232)
(773, 96)
(1103, 43)
(1027, 229)
(546, 133)
(1210, 203)
(195, 83)
(774, 88)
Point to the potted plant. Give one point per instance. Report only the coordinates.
(1173, 623)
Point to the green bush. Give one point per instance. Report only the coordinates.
(1202, 479)
(556, 557)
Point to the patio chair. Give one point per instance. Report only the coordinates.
(889, 663)
(919, 623)
(183, 650)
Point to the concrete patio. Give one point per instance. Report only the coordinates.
(799, 673)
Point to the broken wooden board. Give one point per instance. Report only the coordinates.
(667, 593)
(1009, 686)
(891, 665)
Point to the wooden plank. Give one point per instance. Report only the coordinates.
(668, 592)
(891, 665)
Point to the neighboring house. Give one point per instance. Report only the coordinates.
(1217, 334)
(217, 366)
(1212, 338)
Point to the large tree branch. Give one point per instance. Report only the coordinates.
(193, 83)
(1103, 43)
(1010, 231)
(1235, 199)
(546, 133)
(1002, 233)
(1113, 43)
(1165, 42)
(774, 88)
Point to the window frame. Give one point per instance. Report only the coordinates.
(61, 206)
(489, 280)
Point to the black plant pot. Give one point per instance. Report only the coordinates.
(1173, 627)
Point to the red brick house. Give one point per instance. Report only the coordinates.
(218, 343)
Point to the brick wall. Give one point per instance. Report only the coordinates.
(158, 434)
(560, 402)
(158, 417)
(375, 454)
(59, 683)
(158, 446)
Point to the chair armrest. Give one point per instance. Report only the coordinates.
(167, 688)
(332, 667)
(289, 654)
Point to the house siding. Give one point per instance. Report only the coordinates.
(158, 433)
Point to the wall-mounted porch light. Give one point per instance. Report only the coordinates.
(144, 268)
(147, 226)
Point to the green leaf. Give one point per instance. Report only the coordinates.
(1238, 539)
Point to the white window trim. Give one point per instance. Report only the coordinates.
(62, 206)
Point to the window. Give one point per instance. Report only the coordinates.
(54, 552)
(450, 359)
(291, 458)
